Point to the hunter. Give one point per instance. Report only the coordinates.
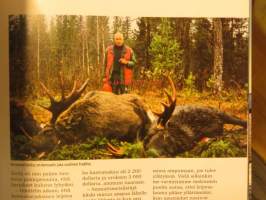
(119, 63)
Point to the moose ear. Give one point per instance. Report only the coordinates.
(169, 107)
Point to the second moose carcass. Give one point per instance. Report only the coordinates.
(187, 126)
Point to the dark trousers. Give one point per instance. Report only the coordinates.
(118, 88)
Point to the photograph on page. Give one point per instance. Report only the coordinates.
(111, 87)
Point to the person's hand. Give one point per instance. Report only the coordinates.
(123, 61)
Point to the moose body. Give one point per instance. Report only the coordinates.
(103, 114)
(123, 117)
(188, 125)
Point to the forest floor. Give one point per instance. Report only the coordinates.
(232, 144)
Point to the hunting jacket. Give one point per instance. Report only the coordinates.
(126, 73)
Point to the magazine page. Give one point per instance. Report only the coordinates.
(107, 100)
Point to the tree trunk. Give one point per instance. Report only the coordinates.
(87, 55)
(218, 55)
(182, 33)
(97, 41)
(186, 46)
(38, 50)
(83, 52)
(148, 42)
(103, 45)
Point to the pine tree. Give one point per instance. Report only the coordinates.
(17, 55)
(117, 24)
(126, 29)
(202, 51)
(228, 50)
(165, 51)
(240, 51)
(181, 31)
(218, 55)
(142, 42)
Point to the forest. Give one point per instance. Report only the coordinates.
(207, 59)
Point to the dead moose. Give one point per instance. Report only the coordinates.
(126, 118)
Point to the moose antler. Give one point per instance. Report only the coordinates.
(116, 151)
(169, 107)
(58, 106)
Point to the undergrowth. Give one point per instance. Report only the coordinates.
(226, 146)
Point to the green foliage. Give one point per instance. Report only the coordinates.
(211, 83)
(224, 147)
(152, 153)
(134, 150)
(165, 50)
(190, 87)
(95, 149)
(91, 149)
